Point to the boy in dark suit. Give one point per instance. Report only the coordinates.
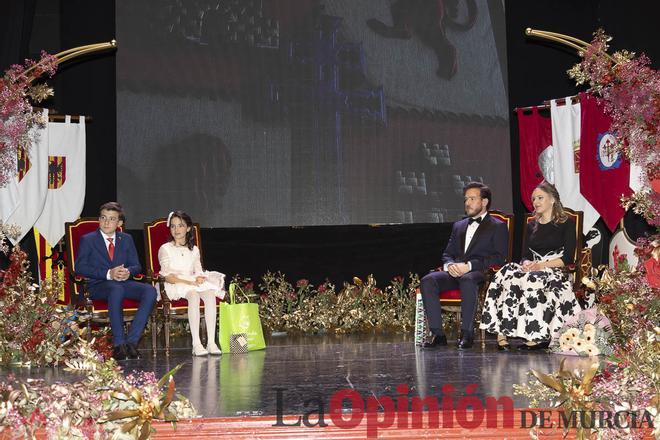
(476, 243)
(107, 258)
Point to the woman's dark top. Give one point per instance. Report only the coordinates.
(550, 237)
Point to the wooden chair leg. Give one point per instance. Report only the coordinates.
(89, 308)
(202, 326)
(153, 334)
(166, 330)
(89, 330)
(483, 338)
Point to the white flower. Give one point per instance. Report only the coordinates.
(592, 350)
(565, 346)
(579, 344)
(566, 338)
(589, 332)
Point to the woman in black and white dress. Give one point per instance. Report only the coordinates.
(533, 299)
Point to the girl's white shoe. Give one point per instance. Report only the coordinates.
(199, 350)
(213, 349)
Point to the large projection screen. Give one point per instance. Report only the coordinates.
(300, 112)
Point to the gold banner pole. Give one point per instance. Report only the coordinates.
(575, 43)
(76, 52)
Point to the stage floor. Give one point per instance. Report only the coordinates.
(294, 369)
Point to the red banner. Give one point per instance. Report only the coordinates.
(535, 136)
(604, 170)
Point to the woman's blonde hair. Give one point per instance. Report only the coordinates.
(558, 214)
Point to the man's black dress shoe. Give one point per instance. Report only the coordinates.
(131, 351)
(119, 352)
(465, 342)
(538, 346)
(436, 341)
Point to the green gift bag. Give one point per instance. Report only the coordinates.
(240, 318)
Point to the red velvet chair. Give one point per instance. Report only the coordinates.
(78, 295)
(156, 233)
(450, 300)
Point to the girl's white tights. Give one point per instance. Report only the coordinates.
(208, 297)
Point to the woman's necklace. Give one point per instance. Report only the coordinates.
(544, 221)
(180, 248)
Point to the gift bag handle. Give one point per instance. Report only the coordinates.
(232, 290)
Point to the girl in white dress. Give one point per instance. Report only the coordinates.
(181, 267)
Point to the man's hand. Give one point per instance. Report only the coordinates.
(458, 269)
(119, 273)
(200, 280)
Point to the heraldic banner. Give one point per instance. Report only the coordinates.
(24, 197)
(66, 178)
(566, 140)
(604, 171)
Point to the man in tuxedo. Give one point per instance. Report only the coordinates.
(107, 258)
(476, 243)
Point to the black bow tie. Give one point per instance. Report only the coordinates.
(472, 220)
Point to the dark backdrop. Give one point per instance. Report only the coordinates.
(536, 72)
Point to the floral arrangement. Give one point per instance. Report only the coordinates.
(17, 116)
(585, 335)
(361, 306)
(402, 296)
(104, 404)
(628, 298)
(630, 89)
(358, 306)
(33, 330)
(278, 294)
(300, 308)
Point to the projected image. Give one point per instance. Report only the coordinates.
(298, 112)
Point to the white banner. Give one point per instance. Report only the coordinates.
(9, 197)
(636, 182)
(566, 140)
(66, 178)
(30, 183)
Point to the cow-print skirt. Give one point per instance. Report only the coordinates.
(529, 305)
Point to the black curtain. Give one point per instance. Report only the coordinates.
(15, 30)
